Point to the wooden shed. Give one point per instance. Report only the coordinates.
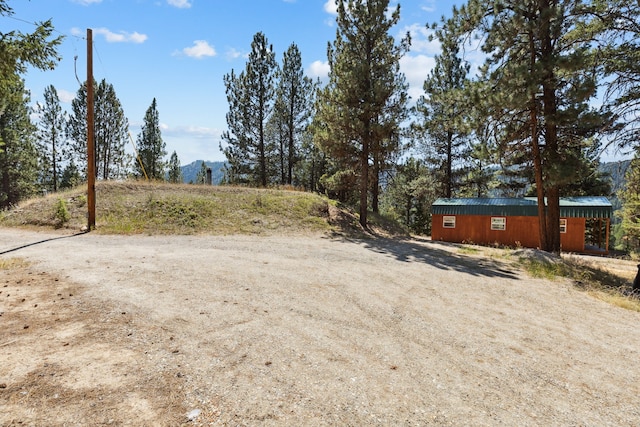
(584, 222)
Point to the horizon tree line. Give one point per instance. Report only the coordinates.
(524, 124)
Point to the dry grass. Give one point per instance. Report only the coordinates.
(606, 279)
(159, 208)
(596, 280)
(137, 207)
(12, 263)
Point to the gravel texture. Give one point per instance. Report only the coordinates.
(301, 330)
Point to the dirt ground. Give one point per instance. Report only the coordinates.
(304, 330)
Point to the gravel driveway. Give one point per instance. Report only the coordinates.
(307, 330)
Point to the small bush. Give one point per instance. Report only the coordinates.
(62, 213)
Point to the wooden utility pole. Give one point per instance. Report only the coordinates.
(91, 145)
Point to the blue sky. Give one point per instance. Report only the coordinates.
(179, 50)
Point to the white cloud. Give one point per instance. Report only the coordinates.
(65, 96)
(429, 6)
(186, 131)
(199, 50)
(416, 68)
(233, 53)
(420, 42)
(193, 142)
(120, 37)
(331, 7)
(180, 4)
(86, 2)
(319, 69)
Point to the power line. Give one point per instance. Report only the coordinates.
(35, 24)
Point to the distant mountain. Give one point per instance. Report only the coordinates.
(616, 171)
(190, 171)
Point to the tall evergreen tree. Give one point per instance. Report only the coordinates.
(111, 132)
(362, 107)
(175, 173)
(77, 130)
(18, 158)
(445, 113)
(251, 97)
(151, 147)
(19, 51)
(541, 82)
(293, 108)
(51, 139)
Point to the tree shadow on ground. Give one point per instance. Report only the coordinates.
(441, 255)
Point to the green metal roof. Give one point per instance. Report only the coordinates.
(579, 207)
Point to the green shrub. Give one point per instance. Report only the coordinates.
(62, 213)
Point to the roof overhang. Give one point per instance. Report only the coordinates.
(570, 207)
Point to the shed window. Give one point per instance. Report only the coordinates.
(563, 225)
(449, 222)
(498, 223)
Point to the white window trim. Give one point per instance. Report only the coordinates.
(449, 221)
(563, 225)
(498, 223)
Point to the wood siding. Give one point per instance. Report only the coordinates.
(519, 231)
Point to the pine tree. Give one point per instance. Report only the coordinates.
(293, 108)
(541, 82)
(111, 132)
(201, 176)
(18, 158)
(445, 112)
(70, 176)
(616, 28)
(362, 107)
(175, 173)
(410, 194)
(77, 130)
(151, 147)
(311, 165)
(51, 139)
(251, 97)
(630, 199)
(19, 51)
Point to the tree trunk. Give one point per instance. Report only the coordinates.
(283, 175)
(54, 164)
(364, 178)
(537, 156)
(449, 166)
(375, 177)
(549, 100)
(262, 161)
(6, 181)
(553, 219)
(291, 152)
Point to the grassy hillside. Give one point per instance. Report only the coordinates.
(134, 207)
